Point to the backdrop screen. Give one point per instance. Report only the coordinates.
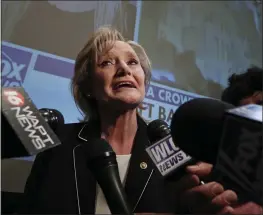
(193, 45)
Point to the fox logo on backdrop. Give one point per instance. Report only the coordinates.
(14, 66)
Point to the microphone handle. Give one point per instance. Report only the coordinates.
(109, 181)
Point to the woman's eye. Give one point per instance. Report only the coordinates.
(105, 63)
(133, 62)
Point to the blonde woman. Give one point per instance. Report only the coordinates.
(108, 86)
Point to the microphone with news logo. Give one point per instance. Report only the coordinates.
(228, 137)
(25, 131)
(167, 157)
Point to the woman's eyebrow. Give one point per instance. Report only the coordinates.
(105, 56)
(108, 55)
(131, 54)
(112, 55)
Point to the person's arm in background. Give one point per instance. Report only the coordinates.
(210, 197)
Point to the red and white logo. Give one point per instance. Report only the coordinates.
(13, 97)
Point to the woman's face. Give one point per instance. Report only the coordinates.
(119, 80)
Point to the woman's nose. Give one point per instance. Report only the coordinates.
(123, 69)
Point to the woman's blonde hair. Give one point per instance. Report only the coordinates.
(101, 41)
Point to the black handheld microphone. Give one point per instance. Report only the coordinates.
(103, 164)
(167, 157)
(53, 117)
(228, 137)
(24, 131)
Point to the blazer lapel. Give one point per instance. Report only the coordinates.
(86, 182)
(140, 168)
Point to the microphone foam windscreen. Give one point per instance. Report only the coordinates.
(197, 126)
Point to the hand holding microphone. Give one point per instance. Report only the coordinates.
(189, 124)
(210, 197)
(172, 163)
(196, 198)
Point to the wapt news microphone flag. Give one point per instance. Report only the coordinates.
(24, 130)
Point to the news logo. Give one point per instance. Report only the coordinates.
(13, 97)
(240, 159)
(26, 121)
(248, 151)
(166, 156)
(14, 64)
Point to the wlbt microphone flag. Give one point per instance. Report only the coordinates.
(24, 131)
(167, 157)
(239, 163)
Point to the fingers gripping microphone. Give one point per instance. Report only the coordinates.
(167, 157)
(226, 136)
(103, 164)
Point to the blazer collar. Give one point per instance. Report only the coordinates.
(140, 169)
(89, 131)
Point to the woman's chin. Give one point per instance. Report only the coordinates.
(129, 102)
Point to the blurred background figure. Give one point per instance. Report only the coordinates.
(194, 48)
(245, 88)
